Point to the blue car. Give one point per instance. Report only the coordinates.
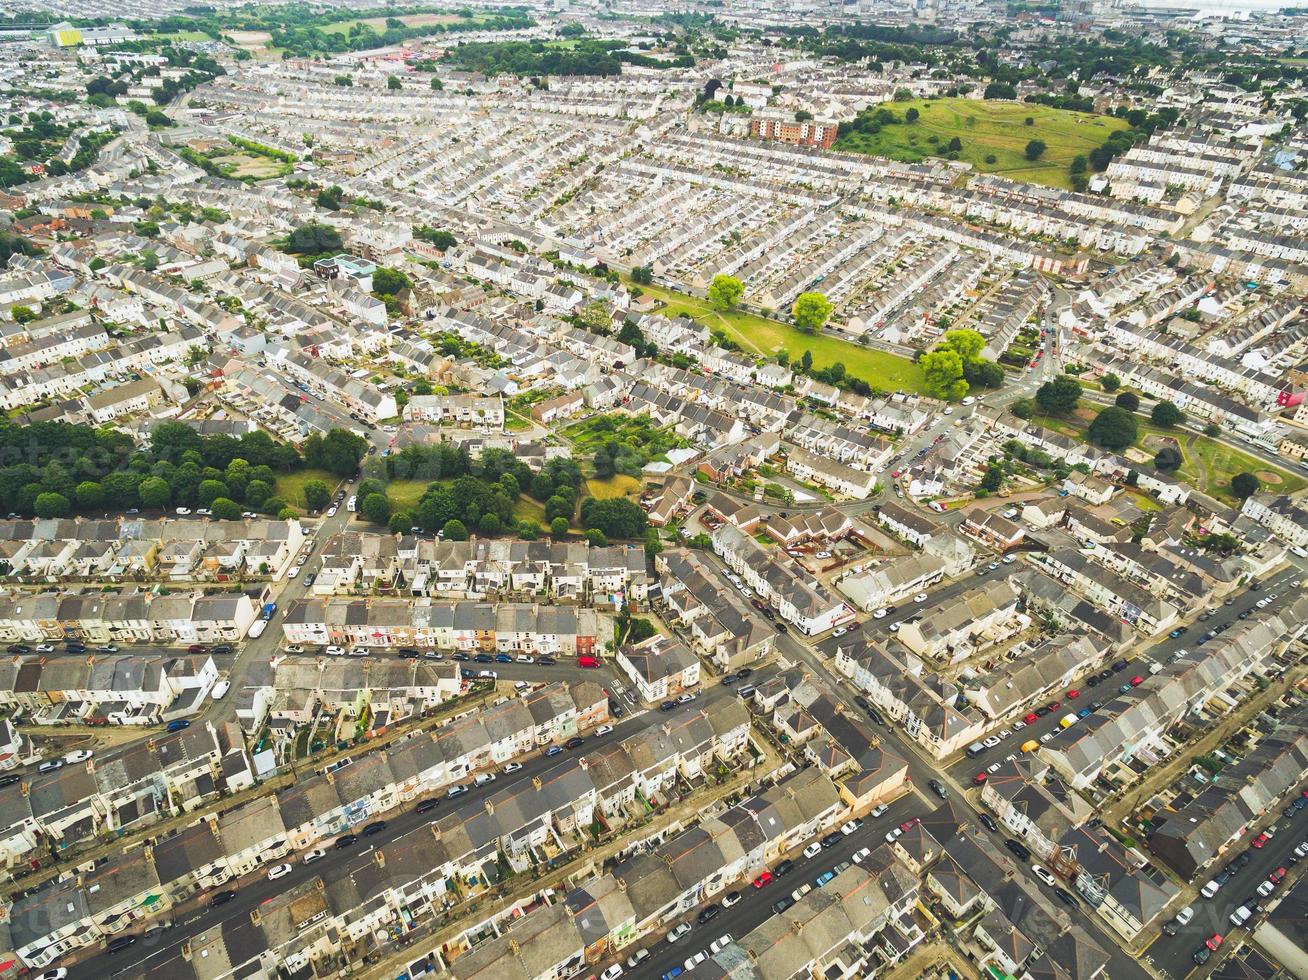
(672, 974)
(553, 750)
(1083, 712)
(825, 877)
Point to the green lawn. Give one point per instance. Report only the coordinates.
(1209, 463)
(759, 335)
(526, 509)
(404, 494)
(620, 485)
(990, 129)
(290, 486)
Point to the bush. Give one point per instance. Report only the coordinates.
(1111, 382)
(1168, 459)
(455, 530)
(226, 509)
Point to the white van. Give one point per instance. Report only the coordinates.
(351, 503)
(257, 629)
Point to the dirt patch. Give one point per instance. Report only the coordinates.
(1268, 478)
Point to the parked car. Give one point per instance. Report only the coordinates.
(278, 871)
(314, 855)
(678, 931)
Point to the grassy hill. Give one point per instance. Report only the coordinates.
(995, 129)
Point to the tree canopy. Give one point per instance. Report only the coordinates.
(811, 311)
(725, 291)
(1060, 396)
(1113, 428)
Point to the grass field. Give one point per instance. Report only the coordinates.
(759, 335)
(290, 486)
(404, 494)
(526, 509)
(620, 485)
(243, 164)
(378, 24)
(995, 129)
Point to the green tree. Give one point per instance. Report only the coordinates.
(1060, 396)
(226, 509)
(954, 145)
(393, 83)
(1035, 150)
(967, 344)
(376, 508)
(724, 292)
(810, 312)
(90, 495)
(1168, 459)
(50, 505)
(437, 85)
(388, 282)
(616, 517)
(806, 362)
(22, 314)
(559, 528)
(1024, 408)
(1110, 382)
(154, 492)
(1212, 429)
(338, 452)
(1243, 485)
(643, 275)
(316, 495)
(1166, 414)
(911, 115)
(455, 530)
(208, 491)
(942, 371)
(1113, 428)
(983, 374)
(1128, 400)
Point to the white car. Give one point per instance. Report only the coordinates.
(612, 973)
(1008, 559)
(990, 741)
(314, 855)
(994, 769)
(893, 835)
(45, 648)
(879, 614)
(678, 931)
(295, 648)
(839, 631)
(920, 597)
(894, 627)
(730, 899)
(279, 871)
(1046, 737)
(1005, 734)
(860, 854)
(78, 755)
(848, 827)
(879, 809)
(525, 658)
(182, 511)
(637, 958)
(1044, 876)
(335, 651)
(51, 765)
(293, 571)
(220, 690)
(823, 554)
(1301, 850)
(1184, 916)
(603, 730)
(813, 850)
(696, 960)
(58, 973)
(1210, 889)
(331, 511)
(1018, 724)
(1240, 916)
(1266, 888)
(512, 767)
(719, 944)
(747, 593)
(204, 512)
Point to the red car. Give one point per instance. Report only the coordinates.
(979, 779)
(1055, 705)
(1277, 876)
(1073, 694)
(763, 879)
(1137, 681)
(1213, 941)
(1032, 718)
(894, 474)
(1259, 841)
(909, 824)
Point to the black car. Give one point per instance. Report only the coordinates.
(461, 657)
(709, 913)
(744, 672)
(468, 675)
(667, 705)
(75, 648)
(484, 658)
(375, 827)
(1242, 859)
(1120, 665)
(1042, 711)
(876, 716)
(1170, 928)
(222, 898)
(1066, 897)
(343, 842)
(1018, 850)
(574, 743)
(616, 710)
(784, 868)
(120, 943)
(1103, 675)
(831, 840)
(426, 805)
(19, 648)
(222, 648)
(989, 822)
(408, 652)
(546, 661)
(781, 906)
(1093, 681)
(938, 788)
(781, 627)
(862, 702)
(1202, 955)
(730, 679)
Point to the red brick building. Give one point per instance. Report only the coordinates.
(810, 132)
